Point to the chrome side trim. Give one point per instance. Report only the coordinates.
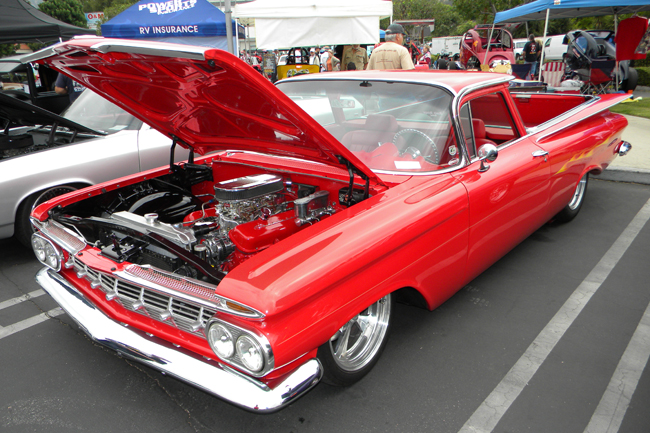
(208, 375)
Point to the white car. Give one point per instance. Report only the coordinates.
(554, 48)
(92, 141)
(519, 47)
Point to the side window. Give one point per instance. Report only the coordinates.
(466, 124)
(491, 120)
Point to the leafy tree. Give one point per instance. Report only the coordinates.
(7, 50)
(483, 11)
(448, 21)
(116, 8)
(68, 11)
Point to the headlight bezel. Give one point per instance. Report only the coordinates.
(52, 255)
(259, 341)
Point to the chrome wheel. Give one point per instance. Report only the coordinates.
(23, 228)
(579, 193)
(573, 207)
(357, 343)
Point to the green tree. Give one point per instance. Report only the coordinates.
(7, 50)
(68, 11)
(448, 21)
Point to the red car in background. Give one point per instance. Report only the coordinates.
(474, 46)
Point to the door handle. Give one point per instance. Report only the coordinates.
(539, 153)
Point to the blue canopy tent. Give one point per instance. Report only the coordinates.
(191, 22)
(537, 10)
(554, 9)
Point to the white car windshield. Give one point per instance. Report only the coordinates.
(389, 126)
(95, 112)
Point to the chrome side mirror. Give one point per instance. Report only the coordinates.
(489, 153)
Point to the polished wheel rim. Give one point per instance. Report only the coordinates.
(51, 193)
(358, 341)
(579, 193)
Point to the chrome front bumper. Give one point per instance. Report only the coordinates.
(185, 365)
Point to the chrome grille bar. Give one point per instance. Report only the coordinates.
(181, 313)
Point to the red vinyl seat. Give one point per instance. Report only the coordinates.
(378, 129)
(480, 136)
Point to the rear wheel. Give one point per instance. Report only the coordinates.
(355, 348)
(571, 210)
(24, 229)
(631, 81)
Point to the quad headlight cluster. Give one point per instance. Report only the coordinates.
(46, 252)
(240, 347)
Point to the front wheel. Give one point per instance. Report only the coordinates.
(571, 210)
(355, 348)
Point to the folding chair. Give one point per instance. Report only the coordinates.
(600, 77)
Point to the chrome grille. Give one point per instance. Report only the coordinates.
(180, 313)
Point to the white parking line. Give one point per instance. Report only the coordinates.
(18, 300)
(24, 324)
(612, 407)
(490, 412)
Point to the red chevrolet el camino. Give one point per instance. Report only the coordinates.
(274, 262)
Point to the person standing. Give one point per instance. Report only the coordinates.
(425, 58)
(65, 85)
(532, 51)
(324, 54)
(313, 58)
(392, 54)
(356, 55)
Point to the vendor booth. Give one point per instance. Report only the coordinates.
(281, 24)
(552, 9)
(192, 22)
(21, 22)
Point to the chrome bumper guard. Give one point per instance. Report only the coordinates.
(182, 364)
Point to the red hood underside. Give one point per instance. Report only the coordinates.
(207, 98)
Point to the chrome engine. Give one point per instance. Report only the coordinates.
(235, 202)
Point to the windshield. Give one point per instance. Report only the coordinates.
(390, 126)
(95, 112)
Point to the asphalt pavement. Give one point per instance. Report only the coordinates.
(551, 338)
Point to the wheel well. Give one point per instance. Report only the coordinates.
(77, 185)
(410, 296)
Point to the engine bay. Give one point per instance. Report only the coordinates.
(192, 225)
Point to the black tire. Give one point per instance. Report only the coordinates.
(23, 228)
(571, 210)
(631, 81)
(344, 366)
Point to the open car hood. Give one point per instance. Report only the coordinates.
(206, 98)
(21, 113)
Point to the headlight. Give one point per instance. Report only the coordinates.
(221, 341)
(46, 252)
(241, 347)
(250, 353)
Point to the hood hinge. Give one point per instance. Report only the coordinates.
(352, 170)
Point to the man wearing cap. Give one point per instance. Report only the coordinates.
(392, 54)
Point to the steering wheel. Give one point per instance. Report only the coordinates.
(414, 151)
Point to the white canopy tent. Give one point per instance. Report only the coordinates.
(296, 23)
